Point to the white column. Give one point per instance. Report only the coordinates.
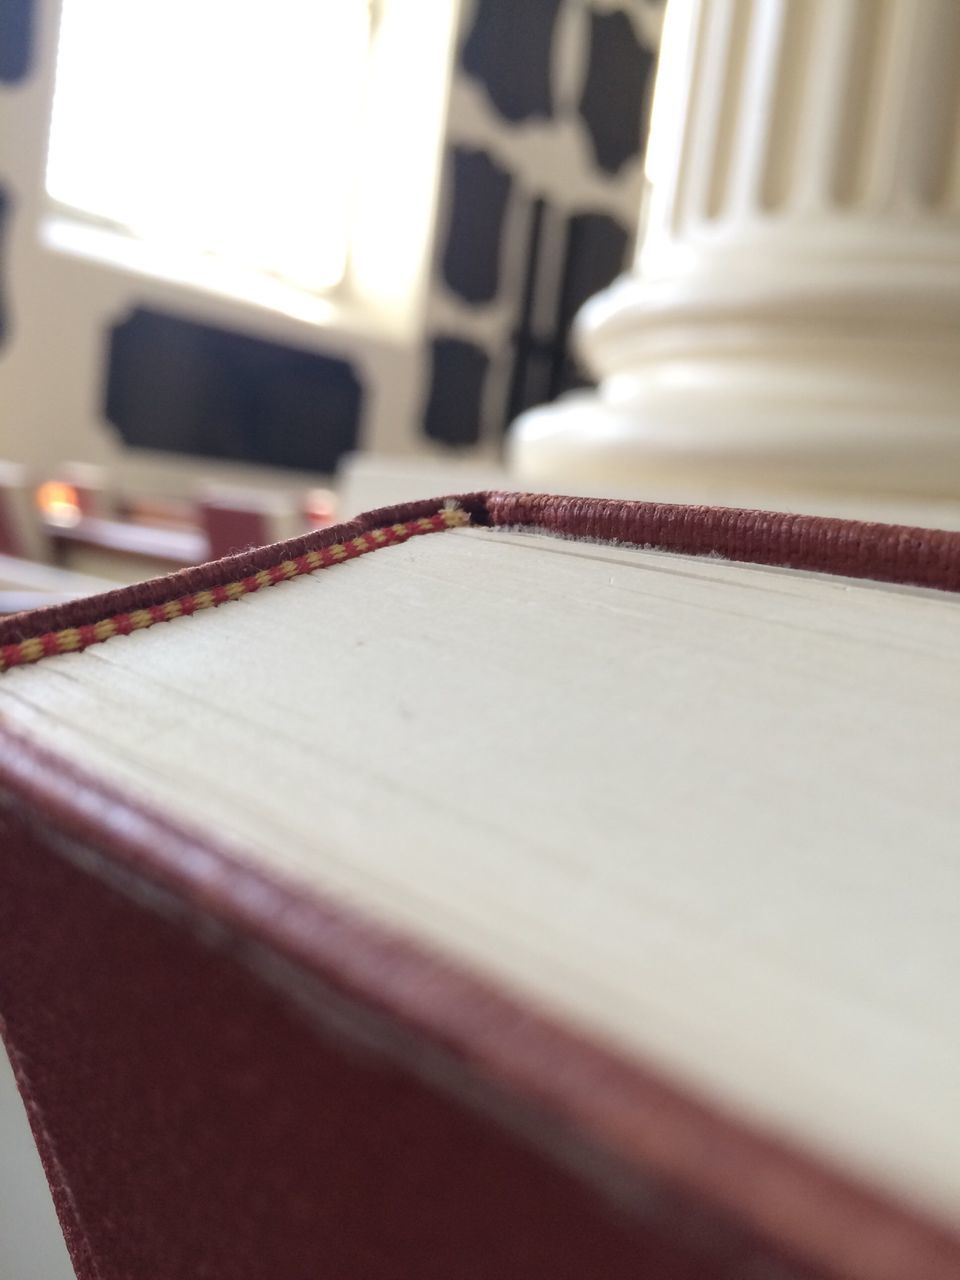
(793, 315)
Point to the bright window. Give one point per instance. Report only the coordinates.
(222, 127)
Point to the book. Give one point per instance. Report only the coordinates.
(496, 886)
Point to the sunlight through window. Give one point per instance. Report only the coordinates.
(224, 127)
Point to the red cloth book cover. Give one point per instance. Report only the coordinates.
(230, 1079)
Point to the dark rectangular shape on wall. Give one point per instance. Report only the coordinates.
(596, 254)
(615, 90)
(185, 387)
(479, 192)
(457, 376)
(509, 50)
(16, 39)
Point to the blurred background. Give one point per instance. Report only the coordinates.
(243, 250)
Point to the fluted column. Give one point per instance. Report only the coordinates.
(793, 316)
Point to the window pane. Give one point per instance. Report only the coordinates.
(229, 126)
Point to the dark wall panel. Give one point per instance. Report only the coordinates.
(615, 90)
(508, 50)
(180, 386)
(16, 40)
(458, 371)
(471, 256)
(596, 254)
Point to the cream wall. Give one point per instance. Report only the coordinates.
(65, 286)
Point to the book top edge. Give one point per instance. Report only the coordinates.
(848, 548)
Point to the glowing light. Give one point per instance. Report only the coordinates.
(59, 502)
(219, 126)
(320, 507)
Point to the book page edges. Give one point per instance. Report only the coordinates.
(609, 1116)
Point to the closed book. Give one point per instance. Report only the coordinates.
(493, 887)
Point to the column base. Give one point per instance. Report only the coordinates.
(617, 448)
(859, 397)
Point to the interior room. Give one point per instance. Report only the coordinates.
(573, 893)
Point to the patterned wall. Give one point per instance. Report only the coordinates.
(541, 187)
